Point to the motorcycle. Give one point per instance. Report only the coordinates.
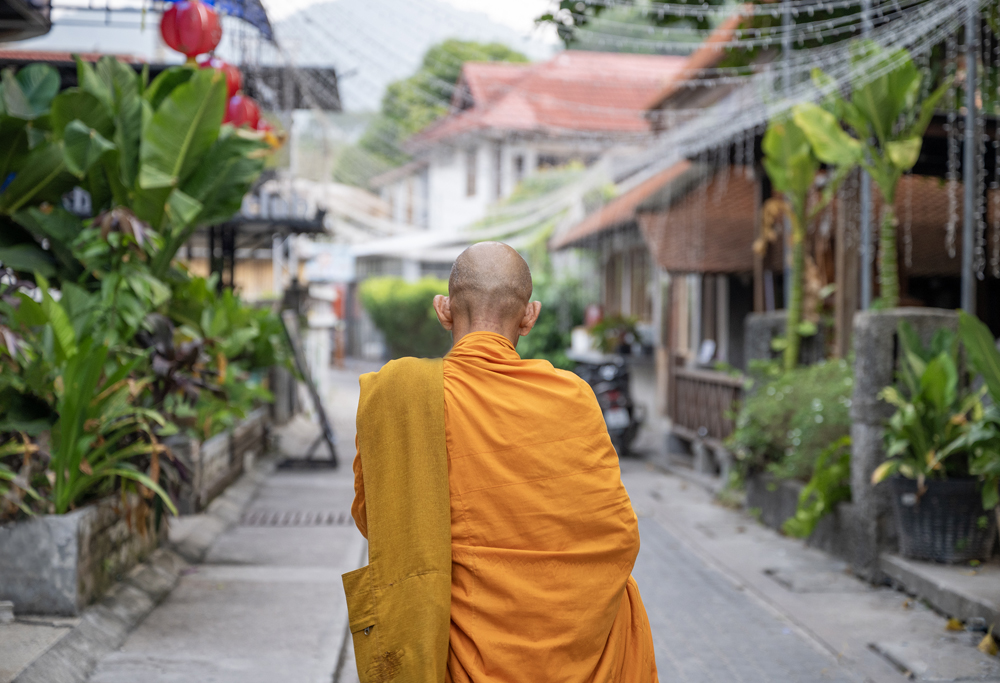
(608, 376)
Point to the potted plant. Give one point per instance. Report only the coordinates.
(934, 495)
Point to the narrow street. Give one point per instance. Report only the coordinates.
(728, 600)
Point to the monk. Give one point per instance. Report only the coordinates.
(543, 535)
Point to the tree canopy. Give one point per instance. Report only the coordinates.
(413, 103)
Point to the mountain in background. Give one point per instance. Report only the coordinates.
(374, 42)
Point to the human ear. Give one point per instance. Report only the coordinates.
(530, 317)
(442, 306)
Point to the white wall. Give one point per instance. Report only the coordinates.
(439, 194)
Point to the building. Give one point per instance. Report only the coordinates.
(508, 120)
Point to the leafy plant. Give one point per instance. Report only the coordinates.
(927, 436)
(404, 313)
(160, 150)
(984, 435)
(790, 417)
(792, 167)
(562, 310)
(830, 484)
(614, 331)
(887, 129)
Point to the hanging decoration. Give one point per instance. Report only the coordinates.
(951, 128)
(234, 78)
(242, 111)
(191, 27)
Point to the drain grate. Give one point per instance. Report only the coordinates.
(295, 518)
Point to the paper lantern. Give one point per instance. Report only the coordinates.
(234, 79)
(242, 111)
(191, 27)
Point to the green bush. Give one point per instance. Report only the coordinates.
(404, 313)
(562, 310)
(791, 418)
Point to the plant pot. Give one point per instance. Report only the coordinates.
(58, 564)
(217, 462)
(945, 524)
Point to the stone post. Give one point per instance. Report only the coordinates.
(762, 328)
(876, 351)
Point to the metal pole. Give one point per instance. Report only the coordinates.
(969, 219)
(786, 84)
(866, 198)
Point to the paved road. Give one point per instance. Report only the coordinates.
(707, 631)
(267, 605)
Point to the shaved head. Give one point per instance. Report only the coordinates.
(489, 282)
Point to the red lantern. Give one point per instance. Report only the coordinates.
(191, 27)
(242, 111)
(234, 79)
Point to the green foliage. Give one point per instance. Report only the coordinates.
(927, 437)
(161, 151)
(614, 331)
(412, 104)
(983, 437)
(562, 310)
(404, 313)
(830, 484)
(791, 417)
(792, 168)
(105, 348)
(880, 128)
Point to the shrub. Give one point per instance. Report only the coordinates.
(791, 417)
(404, 313)
(562, 310)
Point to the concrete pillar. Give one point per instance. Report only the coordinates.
(876, 349)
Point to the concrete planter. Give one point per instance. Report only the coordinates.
(58, 564)
(876, 355)
(763, 328)
(216, 463)
(773, 501)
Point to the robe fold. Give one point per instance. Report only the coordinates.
(543, 533)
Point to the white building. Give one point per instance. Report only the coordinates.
(509, 120)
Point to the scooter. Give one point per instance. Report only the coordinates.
(608, 376)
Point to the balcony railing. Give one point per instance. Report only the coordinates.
(702, 402)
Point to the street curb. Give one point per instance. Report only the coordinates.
(103, 627)
(943, 595)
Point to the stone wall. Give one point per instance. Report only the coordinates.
(876, 349)
(57, 564)
(763, 328)
(773, 501)
(217, 462)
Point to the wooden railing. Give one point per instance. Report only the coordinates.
(701, 402)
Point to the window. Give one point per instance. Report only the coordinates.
(518, 168)
(498, 170)
(409, 200)
(470, 172)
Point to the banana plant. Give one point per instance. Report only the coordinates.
(793, 167)
(159, 149)
(880, 128)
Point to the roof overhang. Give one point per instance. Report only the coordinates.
(21, 19)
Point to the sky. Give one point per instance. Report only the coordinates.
(517, 14)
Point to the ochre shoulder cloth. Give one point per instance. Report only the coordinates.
(400, 604)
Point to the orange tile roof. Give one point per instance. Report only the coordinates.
(620, 210)
(708, 54)
(576, 91)
(710, 229)
(48, 56)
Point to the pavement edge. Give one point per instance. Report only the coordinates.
(104, 626)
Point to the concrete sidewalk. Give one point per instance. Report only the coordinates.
(266, 604)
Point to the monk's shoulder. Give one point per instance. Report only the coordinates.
(400, 372)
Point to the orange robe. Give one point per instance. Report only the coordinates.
(543, 533)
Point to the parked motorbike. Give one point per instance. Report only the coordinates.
(608, 376)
